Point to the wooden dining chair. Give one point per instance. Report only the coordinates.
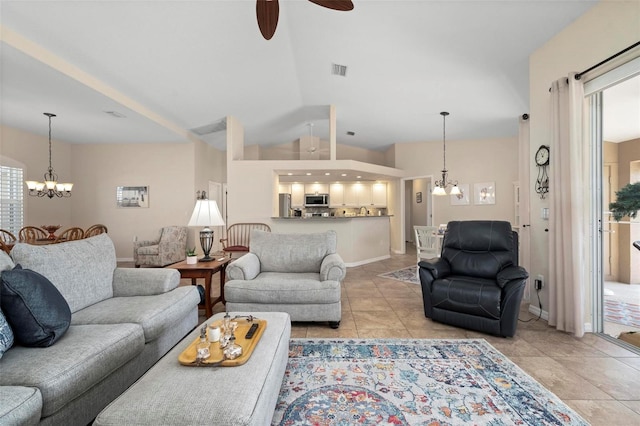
(70, 234)
(7, 236)
(238, 234)
(31, 233)
(94, 230)
(4, 247)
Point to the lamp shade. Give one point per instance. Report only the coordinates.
(206, 213)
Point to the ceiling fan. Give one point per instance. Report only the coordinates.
(267, 12)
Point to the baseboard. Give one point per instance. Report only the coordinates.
(365, 261)
(124, 259)
(537, 312)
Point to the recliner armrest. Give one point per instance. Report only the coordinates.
(333, 268)
(438, 267)
(246, 267)
(511, 273)
(144, 282)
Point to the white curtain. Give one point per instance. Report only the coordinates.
(567, 228)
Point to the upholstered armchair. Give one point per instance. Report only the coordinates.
(299, 274)
(475, 283)
(169, 247)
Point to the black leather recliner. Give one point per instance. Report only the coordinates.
(476, 283)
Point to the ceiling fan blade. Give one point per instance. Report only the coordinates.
(267, 12)
(344, 5)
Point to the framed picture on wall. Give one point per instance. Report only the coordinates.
(418, 197)
(484, 193)
(461, 199)
(132, 196)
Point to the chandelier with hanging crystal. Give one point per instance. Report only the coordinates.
(50, 187)
(441, 185)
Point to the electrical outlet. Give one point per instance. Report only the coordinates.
(539, 282)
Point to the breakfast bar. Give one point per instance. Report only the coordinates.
(361, 239)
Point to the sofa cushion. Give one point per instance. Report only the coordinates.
(35, 309)
(20, 405)
(149, 250)
(66, 266)
(155, 314)
(292, 252)
(5, 261)
(84, 356)
(6, 335)
(287, 288)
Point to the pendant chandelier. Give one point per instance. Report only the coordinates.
(441, 185)
(50, 187)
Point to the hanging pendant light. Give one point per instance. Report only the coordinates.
(441, 185)
(50, 187)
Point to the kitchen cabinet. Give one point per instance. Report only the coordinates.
(284, 188)
(336, 195)
(379, 195)
(316, 188)
(357, 195)
(297, 195)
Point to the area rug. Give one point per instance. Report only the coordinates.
(411, 382)
(407, 275)
(622, 312)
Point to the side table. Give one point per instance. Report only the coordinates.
(205, 270)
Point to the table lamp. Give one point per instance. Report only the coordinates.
(206, 214)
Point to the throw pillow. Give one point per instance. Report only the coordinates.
(37, 312)
(6, 335)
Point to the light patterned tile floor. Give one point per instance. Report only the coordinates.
(597, 378)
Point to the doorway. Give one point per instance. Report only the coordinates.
(616, 143)
(418, 206)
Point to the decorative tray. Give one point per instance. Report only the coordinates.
(189, 356)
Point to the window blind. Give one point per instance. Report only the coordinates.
(11, 199)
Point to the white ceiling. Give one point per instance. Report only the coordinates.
(170, 66)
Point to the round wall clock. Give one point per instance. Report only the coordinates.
(542, 161)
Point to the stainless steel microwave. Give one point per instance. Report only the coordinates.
(316, 200)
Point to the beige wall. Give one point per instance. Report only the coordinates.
(173, 172)
(469, 161)
(605, 29)
(33, 151)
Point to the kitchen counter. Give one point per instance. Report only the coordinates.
(361, 239)
(328, 217)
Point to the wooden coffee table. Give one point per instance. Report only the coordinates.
(205, 270)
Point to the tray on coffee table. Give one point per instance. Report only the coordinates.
(188, 357)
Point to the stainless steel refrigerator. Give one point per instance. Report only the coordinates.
(284, 205)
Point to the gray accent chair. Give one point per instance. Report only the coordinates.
(123, 321)
(300, 274)
(169, 247)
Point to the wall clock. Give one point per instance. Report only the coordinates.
(542, 161)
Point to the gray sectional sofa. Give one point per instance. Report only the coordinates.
(295, 273)
(123, 320)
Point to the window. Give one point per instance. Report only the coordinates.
(11, 199)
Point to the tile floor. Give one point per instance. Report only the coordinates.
(594, 376)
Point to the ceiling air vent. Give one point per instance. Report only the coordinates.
(216, 126)
(340, 70)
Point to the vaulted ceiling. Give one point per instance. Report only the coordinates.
(172, 66)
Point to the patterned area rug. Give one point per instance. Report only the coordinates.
(407, 275)
(411, 382)
(622, 312)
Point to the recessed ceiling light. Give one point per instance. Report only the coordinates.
(308, 174)
(344, 174)
(358, 177)
(327, 174)
(289, 174)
